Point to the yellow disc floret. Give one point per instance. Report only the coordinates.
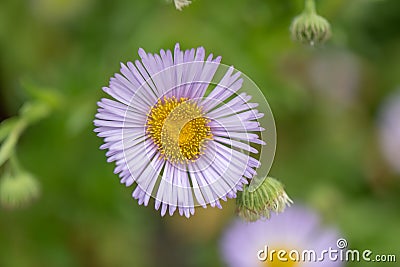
(179, 129)
(286, 258)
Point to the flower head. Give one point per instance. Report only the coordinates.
(182, 138)
(296, 229)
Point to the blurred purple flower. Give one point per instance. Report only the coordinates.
(389, 130)
(297, 229)
(175, 141)
(336, 76)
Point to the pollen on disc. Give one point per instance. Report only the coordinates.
(179, 129)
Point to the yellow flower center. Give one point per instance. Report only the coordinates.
(282, 260)
(179, 129)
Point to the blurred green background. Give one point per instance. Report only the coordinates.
(325, 100)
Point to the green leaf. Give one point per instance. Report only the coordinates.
(34, 111)
(49, 96)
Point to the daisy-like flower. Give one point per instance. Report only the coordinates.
(389, 131)
(181, 137)
(296, 230)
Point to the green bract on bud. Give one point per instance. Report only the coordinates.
(309, 27)
(269, 196)
(18, 191)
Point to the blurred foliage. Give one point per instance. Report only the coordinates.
(325, 101)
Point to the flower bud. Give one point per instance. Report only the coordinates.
(19, 190)
(257, 204)
(309, 27)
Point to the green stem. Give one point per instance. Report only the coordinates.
(310, 7)
(8, 146)
(14, 163)
(6, 127)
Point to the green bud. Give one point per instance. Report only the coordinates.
(309, 27)
(259, 203)
(18, 191)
